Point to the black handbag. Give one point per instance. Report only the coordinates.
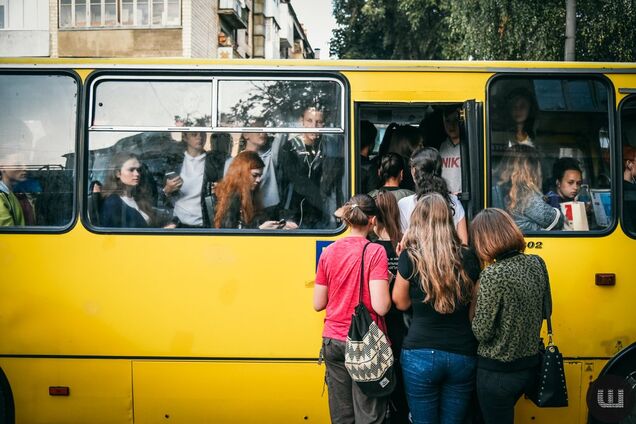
(368, 355)
(550, 390)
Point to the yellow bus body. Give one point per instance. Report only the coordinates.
(219, 328)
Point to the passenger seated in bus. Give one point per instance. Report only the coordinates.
(238, 203)
(403, 140)
(519, 190)
(184, 185)
(300, 163)
(127, 204)
(450, 151)
(629, 188)
(426, 168)
(368, 167)
(522, 109)
(391, 172)
(567, 177)
(12, 171)
(267, 148)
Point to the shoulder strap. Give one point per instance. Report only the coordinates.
(364, 249)
(547, 298)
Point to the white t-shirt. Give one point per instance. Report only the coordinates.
(407, 205)
(187, 205)
(133, 204)
(451, 165)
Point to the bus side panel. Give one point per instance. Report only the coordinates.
(99, 390)
(229, 392)
(528, 412)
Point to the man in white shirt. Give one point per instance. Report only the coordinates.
(184, 189)
(450, 151)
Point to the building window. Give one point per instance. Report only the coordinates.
(119, 13)
(3, 14)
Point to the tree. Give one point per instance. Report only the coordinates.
(483, 29)
(388, 29)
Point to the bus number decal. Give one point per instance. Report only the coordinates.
(535, 245)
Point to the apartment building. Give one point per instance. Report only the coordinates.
(152, 28)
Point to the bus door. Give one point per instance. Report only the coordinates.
(399, 128)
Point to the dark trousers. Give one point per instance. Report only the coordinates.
(347, 403)
(498, 392)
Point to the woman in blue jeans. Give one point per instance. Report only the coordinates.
(436, 276)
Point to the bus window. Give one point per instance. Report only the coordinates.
(277, 103)
(549, 152)
(38, 115)
(628, 134)
(264, 165)
(161, 103)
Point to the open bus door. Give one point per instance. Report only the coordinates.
(472, 150)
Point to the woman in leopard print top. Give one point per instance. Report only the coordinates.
(508, 314)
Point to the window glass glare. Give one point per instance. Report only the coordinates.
(153, 104)
(277, 103)
(37, 149)
(550, 160)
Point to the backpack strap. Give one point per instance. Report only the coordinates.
(364, 249)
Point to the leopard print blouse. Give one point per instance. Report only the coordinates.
(509, 310)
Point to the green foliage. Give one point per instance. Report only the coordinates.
(482, 29)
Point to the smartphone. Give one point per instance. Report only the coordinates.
(281, 223)
(170, 175)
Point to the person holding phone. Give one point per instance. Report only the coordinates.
(184, 189)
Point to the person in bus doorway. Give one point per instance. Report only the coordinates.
(301, 165)
(519, 191)
(436, 277)
(403, 140)
(508, 314)
(184, 189)
(629, 188)
(336, 289)
(426, 168)
(387, 229)
(567, 177)
(369, 179)
(238, 203)
(450, 151)
(12, 172)
(391, 172)
(126, 203)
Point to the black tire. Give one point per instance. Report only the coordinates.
(7, 409)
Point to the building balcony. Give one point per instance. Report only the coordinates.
(233, 13)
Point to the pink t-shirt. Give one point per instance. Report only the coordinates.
(339, 270)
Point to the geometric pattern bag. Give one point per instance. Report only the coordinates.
(550, 390)
(368, 355)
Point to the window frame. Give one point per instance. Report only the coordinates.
(611, 124)
(4, 22)
(77, 145)
(215, 75)
(118, 16)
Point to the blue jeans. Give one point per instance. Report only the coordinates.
(439, 385)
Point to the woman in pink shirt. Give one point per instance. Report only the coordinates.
(337, 290)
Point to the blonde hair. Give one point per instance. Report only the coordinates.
(522, 170)
(434, 248)
(494, 232)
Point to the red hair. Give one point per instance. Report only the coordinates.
(238, 182)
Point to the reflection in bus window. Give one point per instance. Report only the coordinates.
(549, 142)
(152, 103)
(37, 145)
(192, 179)
(628, 128)
(246, 103)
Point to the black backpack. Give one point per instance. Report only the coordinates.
(368, 355)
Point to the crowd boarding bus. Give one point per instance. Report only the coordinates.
(194, 324)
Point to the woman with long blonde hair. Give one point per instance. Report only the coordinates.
(435, 277)
(519, 186)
